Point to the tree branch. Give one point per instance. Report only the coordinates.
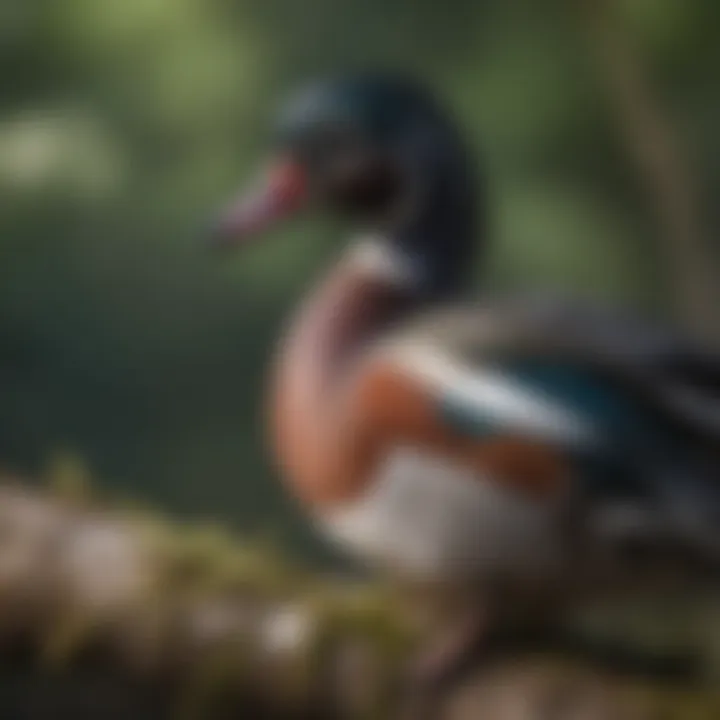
(655, 150)
(116, 613)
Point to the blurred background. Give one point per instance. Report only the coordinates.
(125, 125)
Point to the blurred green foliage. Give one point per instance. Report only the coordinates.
(123, 125)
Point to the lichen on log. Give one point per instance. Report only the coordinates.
(107, 610)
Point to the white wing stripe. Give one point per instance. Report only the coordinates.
(498, 397)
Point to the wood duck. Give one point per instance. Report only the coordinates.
(499, 445)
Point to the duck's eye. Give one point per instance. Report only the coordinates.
(363, 185)
(324, 144)
(346, 170)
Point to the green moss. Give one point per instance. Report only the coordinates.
(66, 638)
(69, 478)
(202, 568)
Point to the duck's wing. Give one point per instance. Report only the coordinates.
(657, 369)
(682, 378)
(632, 408)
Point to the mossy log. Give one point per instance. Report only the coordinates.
(107, 611)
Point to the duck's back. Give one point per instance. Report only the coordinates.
(656, 369)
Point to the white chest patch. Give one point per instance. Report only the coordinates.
(428, 517)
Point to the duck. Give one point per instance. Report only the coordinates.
(505, 446)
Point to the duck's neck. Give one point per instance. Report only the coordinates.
(349, 309)
(424, 253)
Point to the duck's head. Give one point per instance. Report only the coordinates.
(380, 151)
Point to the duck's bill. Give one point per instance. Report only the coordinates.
(280, 194)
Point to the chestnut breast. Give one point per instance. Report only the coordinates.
(388, 479)
(331, 452)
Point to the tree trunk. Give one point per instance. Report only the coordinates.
(665, 177)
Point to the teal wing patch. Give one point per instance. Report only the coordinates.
(508, 401)
(610, 437)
